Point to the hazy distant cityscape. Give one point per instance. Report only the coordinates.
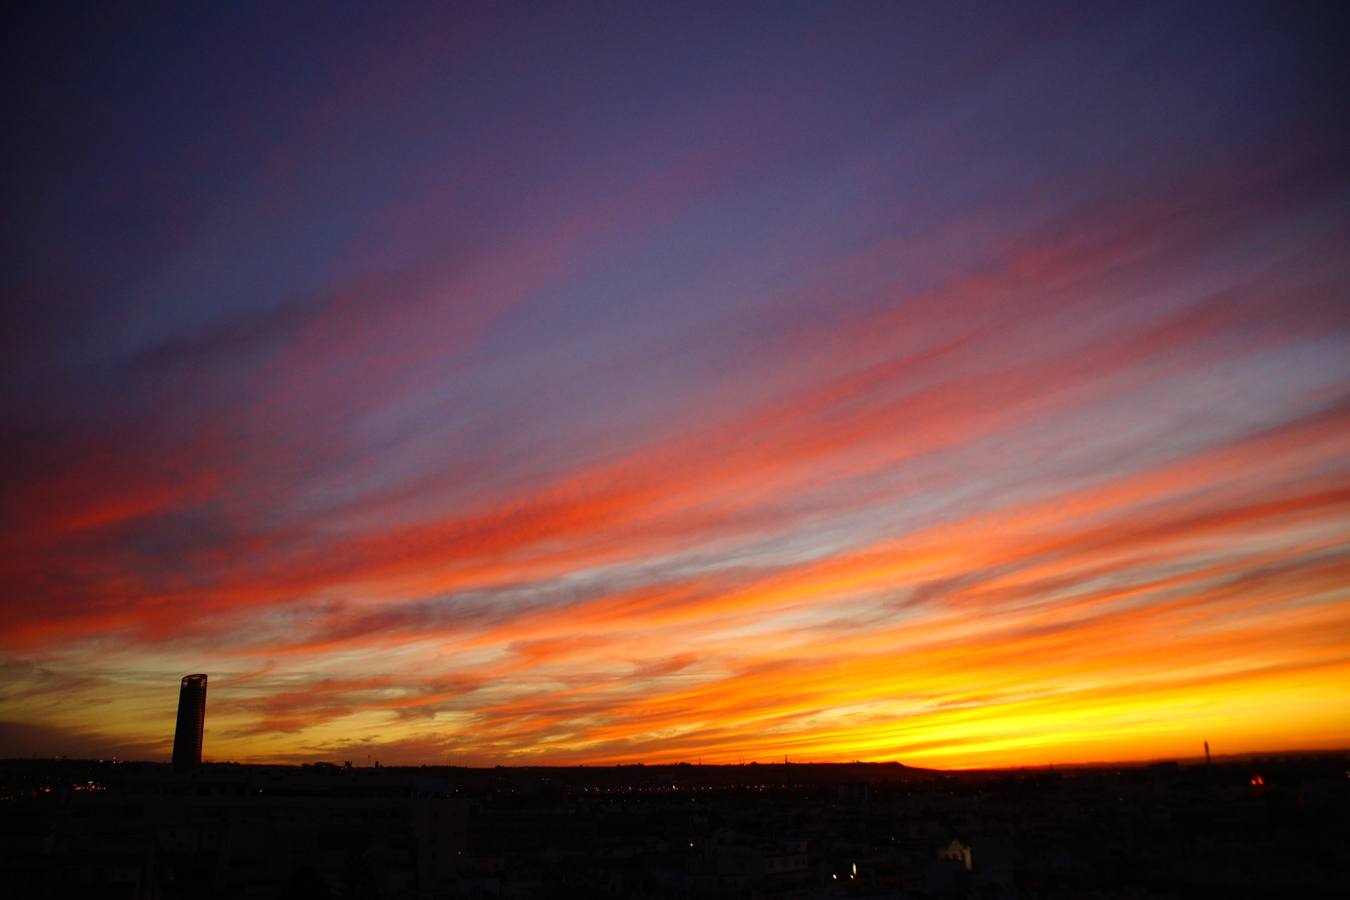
(1270, 827)
(1273, 826)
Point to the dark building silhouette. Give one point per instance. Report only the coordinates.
(187, 736)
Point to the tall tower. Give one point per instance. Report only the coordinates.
(187, 736)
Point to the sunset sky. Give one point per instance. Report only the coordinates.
(559, 383)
